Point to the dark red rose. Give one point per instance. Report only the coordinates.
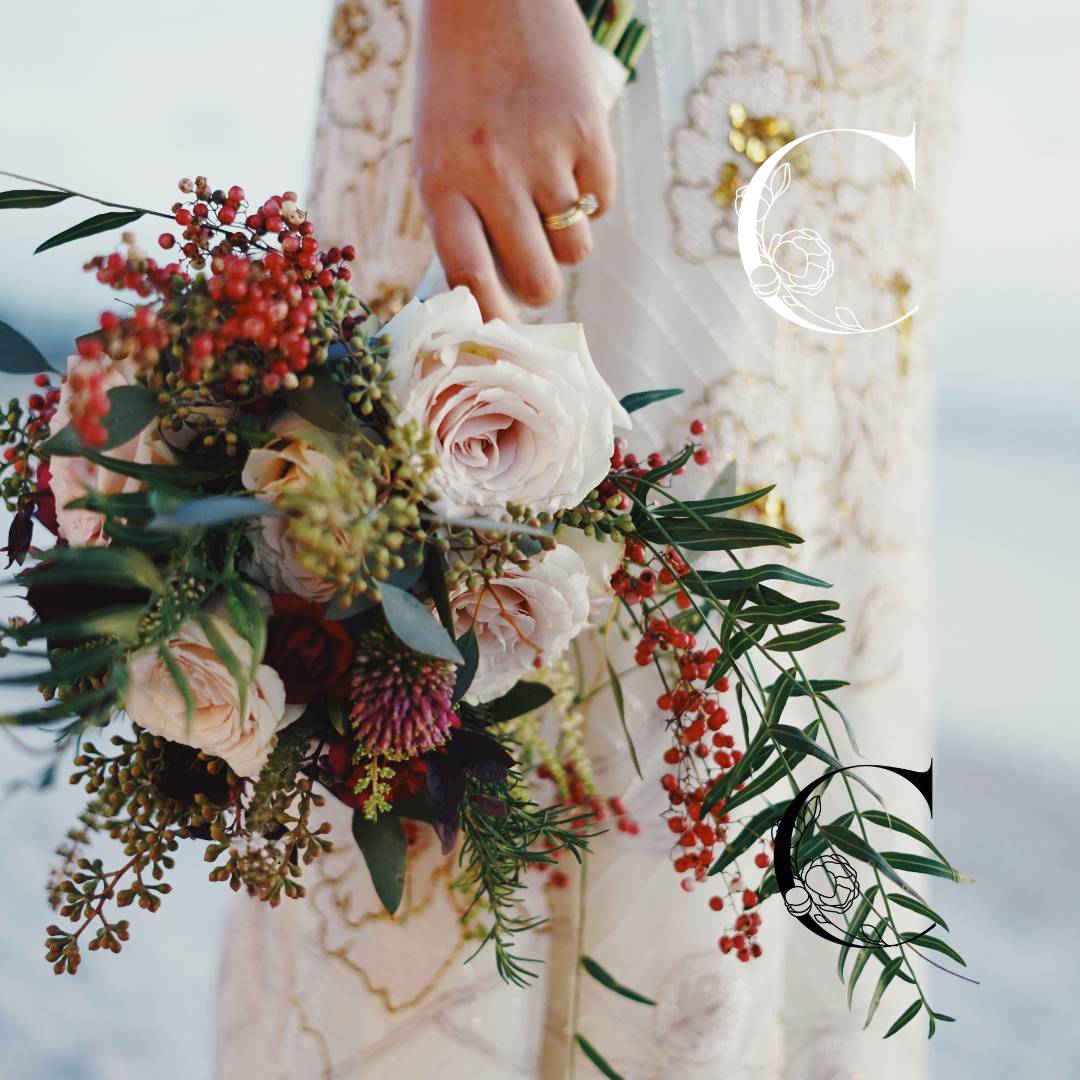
(311, 653)
(407, 780)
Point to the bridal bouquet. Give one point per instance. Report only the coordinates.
(301, 554)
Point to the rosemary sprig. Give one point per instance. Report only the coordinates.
(496, 851)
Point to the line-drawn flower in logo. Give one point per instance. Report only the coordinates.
(827, 883)
(797, 262)
(801, 260)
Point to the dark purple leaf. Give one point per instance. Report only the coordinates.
(445, 787)
(490, 806)
(447, 832)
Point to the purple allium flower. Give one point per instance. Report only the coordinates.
(401, 701)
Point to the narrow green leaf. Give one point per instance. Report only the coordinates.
(730, 652)
(717, 534)
(920, 864)
(777, 697)
(714, 505)
(608, 980)
(815, 687)
(726, 784)
(726, 583)
(804, 639)
(56, 710)
(860, 962)
(226, 655)
(66, 665)
(779, 615)
(213, 511)
(886, 977)
(596, 1058)
(99, 566)
(18, 354)
(937, 945)
(249, 619)
(99, 223)
(633, 402)
(416, 626)
(176, 672)
(794, 739)
(908, 1014)
(523, 697)
(855, 928)
(382, 843)
(764, 781)
(620, 705)
(470, 650)
(917, 906)
(31, 198)
(140, 539)
(653, 476)
(891, 821)
(852, 844)
(757, 828)
(122, 623)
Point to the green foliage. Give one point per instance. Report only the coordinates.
(497, 850)
(31, 199)
(382, 843)
(523, 697)
(415, 626)
(743, 612)
(99, 223)
(606, 979)
(18, 354)
(632, 402)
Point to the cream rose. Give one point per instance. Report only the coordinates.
(523, 615)
(519, 414)
(287, 465)
(73, 477)
(601, 559)
(155, 703)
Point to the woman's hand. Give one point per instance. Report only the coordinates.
(508, 127)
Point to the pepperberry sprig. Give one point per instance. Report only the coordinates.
(713, 778)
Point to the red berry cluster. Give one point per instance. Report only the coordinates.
(742, 941)
(40, 407)
(88, 402)
(139, 338)
(251, 325)
(261, 322)
(635, 586)
(701, 751)
(596, 812)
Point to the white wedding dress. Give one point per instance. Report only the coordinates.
(331, 986)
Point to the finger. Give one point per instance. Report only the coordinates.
(595, 172)
(569, 246)
(466, 256)
(521, 245)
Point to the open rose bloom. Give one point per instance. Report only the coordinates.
(520, 414)
(521, 617)
(243, 739)
(287, 465)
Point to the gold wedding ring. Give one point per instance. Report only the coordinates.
(585, 207)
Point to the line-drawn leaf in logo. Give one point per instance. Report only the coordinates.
(848, 318)
(779, 182)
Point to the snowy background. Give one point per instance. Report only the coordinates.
(119, 104)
